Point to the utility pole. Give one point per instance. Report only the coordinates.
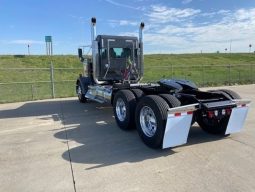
(250, 48)
(230, 46)
(28, 49)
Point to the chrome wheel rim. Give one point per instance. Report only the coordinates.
(79, 92)
(121, 110)
(148, 121)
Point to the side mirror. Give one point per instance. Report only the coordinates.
(80, 54)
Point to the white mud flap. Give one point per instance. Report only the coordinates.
(178, 125)
(237, 117)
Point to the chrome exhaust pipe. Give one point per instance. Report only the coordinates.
(94, 47)
(141, 46)
(93, 29)
(141, 32)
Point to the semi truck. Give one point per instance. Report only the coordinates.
(162, 112)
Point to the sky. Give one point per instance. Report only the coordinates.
(171, 26)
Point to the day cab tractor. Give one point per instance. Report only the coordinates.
(162, 112)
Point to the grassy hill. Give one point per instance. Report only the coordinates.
(32, 73)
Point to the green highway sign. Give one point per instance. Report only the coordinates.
(48, 39)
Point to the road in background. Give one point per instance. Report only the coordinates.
(38, 139)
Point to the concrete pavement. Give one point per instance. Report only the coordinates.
(62, 145)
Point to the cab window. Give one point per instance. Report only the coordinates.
(120, 52)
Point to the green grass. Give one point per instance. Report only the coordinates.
(203, 69)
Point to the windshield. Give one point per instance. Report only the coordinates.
(119, 63)
(120, 52)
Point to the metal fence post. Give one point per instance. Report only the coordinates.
(203, 75)
(239, 76)
(253, 76)
(229, 72)
(32, 91)
(251, 73)
(52, 80)
(185, 72)
(172, 70)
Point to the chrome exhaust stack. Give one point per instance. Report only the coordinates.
(141, 46)
(93, 29)
(94, 46)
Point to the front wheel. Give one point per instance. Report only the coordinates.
(150, 118)
(81, 96)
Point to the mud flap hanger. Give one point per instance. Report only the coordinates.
(179, 122)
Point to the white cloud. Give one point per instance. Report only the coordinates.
(163, 14)
(123, 5)
(244, 14)
(216, 13)
(115, 23)
(186, 1)
(26, 42)
(178, 30)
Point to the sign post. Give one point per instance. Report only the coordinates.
(49, 52)
(48, 41)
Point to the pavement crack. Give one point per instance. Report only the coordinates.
(246, 144)
(68, 147)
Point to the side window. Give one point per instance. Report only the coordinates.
(136, 53)
(103, 54)
(126, 53)
(112, 53)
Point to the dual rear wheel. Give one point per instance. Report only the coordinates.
(147, 113)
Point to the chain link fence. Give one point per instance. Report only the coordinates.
(22, 84)
(204, 75)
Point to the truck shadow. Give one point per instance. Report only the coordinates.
(96, 140)
(92, 134)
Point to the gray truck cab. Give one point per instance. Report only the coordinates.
(115, 59)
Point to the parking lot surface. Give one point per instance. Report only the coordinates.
(63, 145)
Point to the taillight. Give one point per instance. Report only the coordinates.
(228, 111)
(210, 114)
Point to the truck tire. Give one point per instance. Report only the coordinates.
(174, 102)
(150, 118)
(212, 126)
(231, 93)
(138, 94)
(81, 96)
(227, 93)
(171, 100)
(124, 104)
